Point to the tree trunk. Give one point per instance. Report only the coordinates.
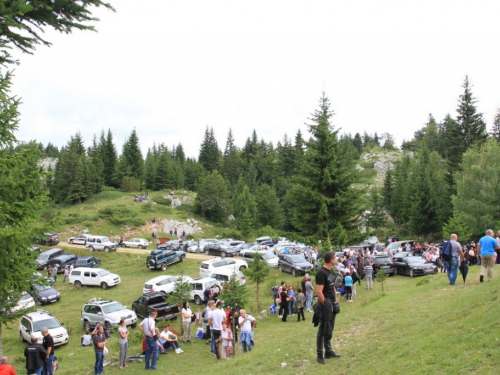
(1, 355)
(258, 301)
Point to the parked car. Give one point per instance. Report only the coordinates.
(163, 283)
(43, 258)
(25, 302)
(394, 246)
(62, 261)
(224, 276)
(107, 313)
(296, 264)
(31, 324)
(155, 301)
(218, 250)
(208, 267)
(162, 258)
(35, 249)
(101, 243)
(80, 239)
(199, 285)
(256, 248)
(413, 266)
(383, 263)
(93, 277)
(140, 243)
(269, 257)
(48, 239)
(243, 246)
(45, 294)
(172, 245)
(90, 262)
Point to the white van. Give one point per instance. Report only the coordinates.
(101, 243)
(224, 276)
(211, 266)
(93, 277)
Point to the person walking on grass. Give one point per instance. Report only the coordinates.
(327, 296)
(247, 325)
(486, 249)
(368, 275)
(216, 318)
(123, 333)
(300, 301)
(452, 264)
(35, 357)
(309, 289)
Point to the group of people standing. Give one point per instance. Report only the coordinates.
(40, 357)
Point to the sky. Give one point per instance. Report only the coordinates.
(170, 69)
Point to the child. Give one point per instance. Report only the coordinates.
(300, 301)
(348, 287)
(227, 342)
(198, 318)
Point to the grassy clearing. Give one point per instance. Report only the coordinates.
(415, 327)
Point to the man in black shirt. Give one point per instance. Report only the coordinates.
(326, 292)
(35, 357)
(48, 344)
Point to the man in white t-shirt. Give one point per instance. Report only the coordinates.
(147, 327)
(247, 325)
(217, 316)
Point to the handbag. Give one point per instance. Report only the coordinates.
(336, 308)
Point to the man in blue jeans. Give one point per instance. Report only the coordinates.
(452, 264)
(99, 339)
(48, 345)
(148, 328)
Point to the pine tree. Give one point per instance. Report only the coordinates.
(212, 200)
(231, 162)
(269, 210)
(245, 210)
(257, 272)
(132, 157)
(387, 191)
(495, 131)
(376, 217)
(470, 122)
(358, 143)
(209, 151)
(110, 159)
(324, 203)
(95, 155)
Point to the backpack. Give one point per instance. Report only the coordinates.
(446, 251)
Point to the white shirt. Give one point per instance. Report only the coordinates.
(186, 311)
(218, 317)
(149, 327)
(247, 326)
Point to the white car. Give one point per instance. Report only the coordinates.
(211, 266)
(81, 239)
(32, 323)
(199, 285)
(25, 302)
(203, 242)
(224, 276)
(163, 283)
(93, 277)
(268, 256)
(140, 243)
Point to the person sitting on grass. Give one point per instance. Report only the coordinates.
(86, 339)
(170, 340)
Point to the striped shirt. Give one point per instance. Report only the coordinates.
(369, 270)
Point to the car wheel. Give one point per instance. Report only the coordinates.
(140, 246)
(294, 273)
(206, 252)
(21, 338)
(86, 325)
(104, 286)
(78, 284)
(242, 268)
(395, 271)
(412, 273)
(197, 300)
(71, 242)
(164, 267)
(223, 254)
(107, 325)
(106, 249)
(183, 258)
(91, 248)
(280, 268)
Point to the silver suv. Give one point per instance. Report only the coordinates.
(31, 324)
(101, 243)
(108, 313)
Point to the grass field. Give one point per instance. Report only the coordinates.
(418, 326)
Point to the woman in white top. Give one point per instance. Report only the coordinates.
(187, 318)
(123, 332)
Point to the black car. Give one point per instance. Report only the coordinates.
(48, 239)
(383, 263)
(215, 249)
(87, 262)
(413, 266)
(294, 263)
(62, 261)
(45, 294)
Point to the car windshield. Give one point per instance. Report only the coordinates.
(415, 260)
(298, 259)
(41, 288)
(103, 273)
(43, 256)
(268, 256)
(111, 308)
(48, 323)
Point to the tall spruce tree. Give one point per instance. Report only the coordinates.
(269, 210)
(231, 161)
(212, 200)
(495, 131)
(325, 206)
(470, 122)
(132, 157)
(209, 156)
(110, 159)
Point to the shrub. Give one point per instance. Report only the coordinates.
(131, 184)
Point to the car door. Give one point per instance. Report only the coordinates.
(405, 268)
(25, 327)
(94, 278)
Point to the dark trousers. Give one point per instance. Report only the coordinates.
(300, 312)
(324, 339)
(285, 312)
(216, 338)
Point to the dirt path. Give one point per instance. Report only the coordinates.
(139, 251)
